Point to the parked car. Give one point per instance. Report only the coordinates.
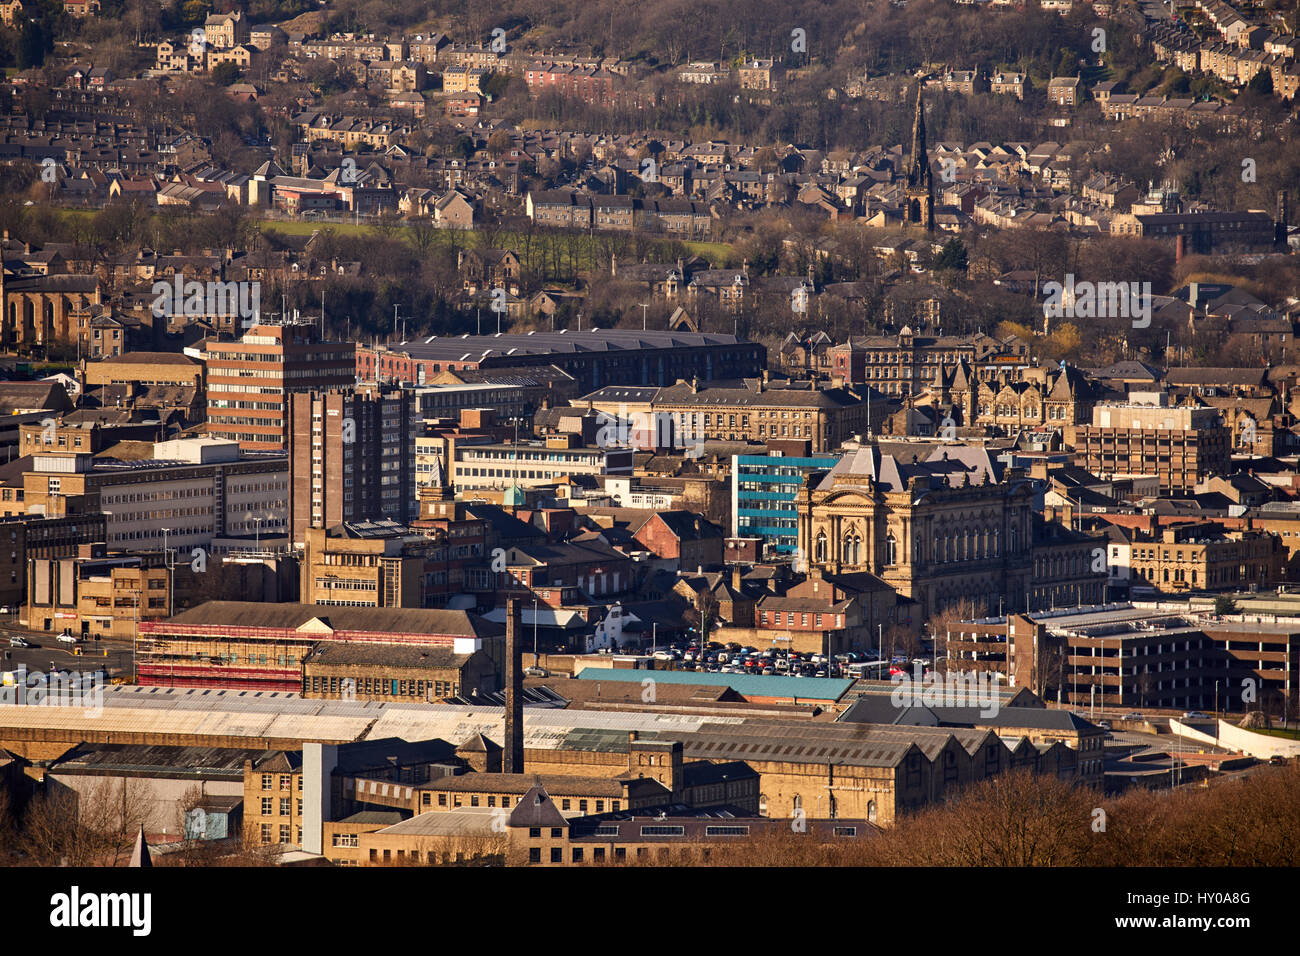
(1104, 724)
(1277, 760)
(1195, 715)
(20, 642)
(1133, 716)
(67, 638)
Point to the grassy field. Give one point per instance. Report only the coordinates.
(721, 254)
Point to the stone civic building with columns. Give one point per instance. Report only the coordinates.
(955, 526)
(44, 310)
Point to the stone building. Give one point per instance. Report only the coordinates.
(335, 671)
(956, 526)
(45, 310)
(1182, 445)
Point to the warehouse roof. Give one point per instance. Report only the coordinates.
(466, 821)
(749, 685)
(389, 655)
(127, 760)
(502, 345)
(268, 715)
(255, 614)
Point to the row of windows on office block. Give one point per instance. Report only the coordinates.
(381, 686)
(268, 806)
(566, 803)
(283, 836)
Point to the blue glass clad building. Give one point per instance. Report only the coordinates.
(763, 489)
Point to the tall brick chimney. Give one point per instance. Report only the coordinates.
(514, 756)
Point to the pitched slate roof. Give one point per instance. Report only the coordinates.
(536, 809)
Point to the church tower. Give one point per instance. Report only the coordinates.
(919, 195)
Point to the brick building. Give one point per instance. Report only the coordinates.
(335, 671)
(250, 380)
(249, 645)
(351, 457)
(1182, 445)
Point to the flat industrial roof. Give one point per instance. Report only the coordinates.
(282, 716)
(749, 685)
(506, 344)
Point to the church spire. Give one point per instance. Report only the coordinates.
(920, 179)
(918, 169)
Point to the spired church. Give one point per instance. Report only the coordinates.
(919, 192)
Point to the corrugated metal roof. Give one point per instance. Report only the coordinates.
(228, 713)
(750, 685)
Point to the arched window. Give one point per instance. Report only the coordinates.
(891, 550)
(1015, 539)
(995, 542)
(871, 811)
(821, 546)
(846, 549)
